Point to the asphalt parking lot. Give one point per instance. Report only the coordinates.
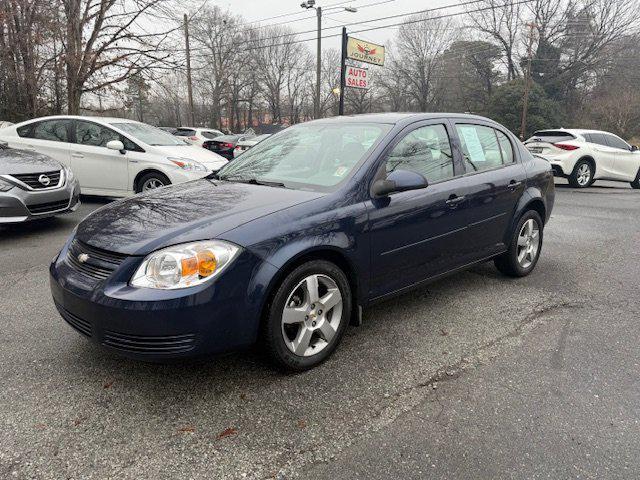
(476, 376)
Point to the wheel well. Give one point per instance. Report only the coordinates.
(327, 254)
(590, 160)
(144, 172)
(539, 207)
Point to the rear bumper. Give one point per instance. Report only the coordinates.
(557, 170)
(19, 205)
(156, 325)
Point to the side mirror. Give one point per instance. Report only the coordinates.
(398, 181)
(116, 145)
(634, 148)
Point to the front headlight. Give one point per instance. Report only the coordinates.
(5, 186)
(188, 164)
(184, 265)
(68, 173)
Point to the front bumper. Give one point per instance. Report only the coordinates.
(154, 325)
(18, 205)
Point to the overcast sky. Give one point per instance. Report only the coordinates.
(253, 10)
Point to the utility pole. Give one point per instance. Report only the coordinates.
(527, 81)
(343, 61)
(316, 109)
(307, 4)
(192, 117)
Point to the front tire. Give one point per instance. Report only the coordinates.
(308, 315)
(525, 247)
(151, 181)
(582, 175)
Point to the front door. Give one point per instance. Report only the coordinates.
(418, 234)
(98, 168)
(627, 162)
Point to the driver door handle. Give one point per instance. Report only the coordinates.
(77, 155)
(513, 185)
(454, 200)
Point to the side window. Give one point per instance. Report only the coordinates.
(427, 151)
(587, 137)
(480, 147)
(505, 147)
(598, 139)
(210, 135)
(616, 142)
(53, 130)
(88, 133)
(25, 131)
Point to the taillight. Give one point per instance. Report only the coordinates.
(566, 146)
(194, 138)
(226, 145)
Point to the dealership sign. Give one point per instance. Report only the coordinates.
(356, 77)
(364, 51)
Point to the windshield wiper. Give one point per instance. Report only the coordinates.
(254, 181)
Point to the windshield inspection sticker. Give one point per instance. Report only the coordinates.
(341, 171)
(474, 147)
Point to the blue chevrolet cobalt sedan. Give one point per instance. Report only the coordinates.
(286, 244)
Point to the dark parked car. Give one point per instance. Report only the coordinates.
(225, 144)
(290, 241)
(34, 186)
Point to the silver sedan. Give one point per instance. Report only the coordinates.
(34, 186)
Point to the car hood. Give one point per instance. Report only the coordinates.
(211, 160)
(14, 161)
(198, 210)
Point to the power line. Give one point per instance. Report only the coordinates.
(428, 10)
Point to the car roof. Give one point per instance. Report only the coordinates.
(85, 117)
(578, 131)
(400, 117)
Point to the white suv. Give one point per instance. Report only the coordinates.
(197, 136)
(584, 156)
(113, 156)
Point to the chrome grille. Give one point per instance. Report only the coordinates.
(98, 264)
(33, 179)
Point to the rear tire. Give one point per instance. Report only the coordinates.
(582, 175)
(525, 247)
(636, 183)
(310, 311)
(151, 181)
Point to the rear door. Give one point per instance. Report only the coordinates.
(626, 162)
(417, 234)
(96, 166)
(50, 137)
(494, 181)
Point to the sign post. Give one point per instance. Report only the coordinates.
(343, 61)
(360, 51)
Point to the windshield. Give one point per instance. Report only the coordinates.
(149, 135)
(317, 156)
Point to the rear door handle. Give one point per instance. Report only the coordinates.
(454, 200)
(77, 155)
(513, 184)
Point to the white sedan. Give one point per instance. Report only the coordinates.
(113, 156)
(584, 156)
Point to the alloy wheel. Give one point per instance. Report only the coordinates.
(152, 184)
(583, 174)
(312, 315)
(528, 243)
